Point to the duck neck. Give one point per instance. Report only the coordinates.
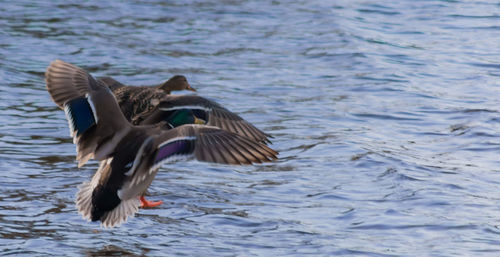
(166, 87)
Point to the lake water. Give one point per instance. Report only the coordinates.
(386, 115)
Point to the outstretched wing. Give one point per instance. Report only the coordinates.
(66, 82)
(209, 144)
(94, 117)
(212, 113)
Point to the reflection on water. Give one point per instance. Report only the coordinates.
(385, 116)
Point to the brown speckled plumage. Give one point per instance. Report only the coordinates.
(137, 101)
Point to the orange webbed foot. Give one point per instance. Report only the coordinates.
(148, 204)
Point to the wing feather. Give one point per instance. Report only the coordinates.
(218, 148)
(66, 81)
(215, 114)
(95, 119)
(233, 154)
(212, 144)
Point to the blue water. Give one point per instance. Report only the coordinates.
(386, 115)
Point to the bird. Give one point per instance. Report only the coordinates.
(143, 105)
(130, 155)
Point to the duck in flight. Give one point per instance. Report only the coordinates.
(130, 155)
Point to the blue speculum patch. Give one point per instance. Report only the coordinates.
(80, 115)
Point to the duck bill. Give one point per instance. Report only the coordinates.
(198, 121)
(190, 88)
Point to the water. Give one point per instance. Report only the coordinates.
(386, 116)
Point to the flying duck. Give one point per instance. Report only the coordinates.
(129, 155)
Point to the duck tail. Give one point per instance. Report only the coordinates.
(111, 218)
(84, 200)
(121, 213)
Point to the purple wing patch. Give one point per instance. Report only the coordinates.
(177, 147)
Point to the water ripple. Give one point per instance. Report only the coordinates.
(384, 115)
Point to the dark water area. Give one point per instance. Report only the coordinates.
(386, 116)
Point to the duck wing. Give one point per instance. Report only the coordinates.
(95, 120)
(211, 112)
(210, 144)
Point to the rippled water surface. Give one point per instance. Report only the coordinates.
(386, 115)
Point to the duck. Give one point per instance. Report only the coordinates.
(148, 105)
(129, 155)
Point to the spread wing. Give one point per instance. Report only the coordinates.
(210, 144)
(93, 115)
(66, 82)
(210, 112)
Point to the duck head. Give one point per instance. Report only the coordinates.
(176, 83)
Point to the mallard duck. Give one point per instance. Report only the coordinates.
(129, 155)
(149, 105)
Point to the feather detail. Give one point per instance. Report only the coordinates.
(84, 199)
(65, 82)
(86, 189)
(92, 106)
(120, 214)
(138, 156)
(193, 107)
(81, 116)
(178, 148)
